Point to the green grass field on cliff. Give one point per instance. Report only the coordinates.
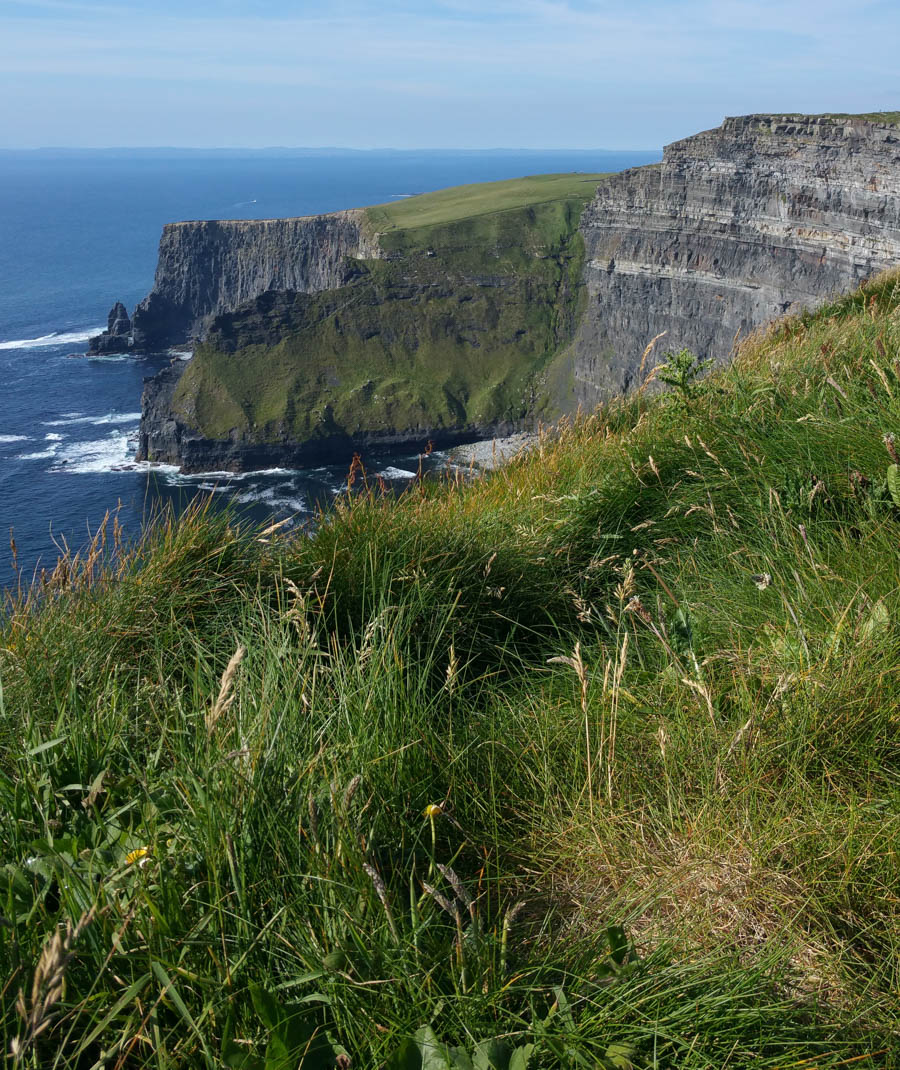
(889, 118)
(463, 324)
(482, 198)
(592, 762)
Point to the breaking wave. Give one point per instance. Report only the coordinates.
(56, 339)
(95, 421)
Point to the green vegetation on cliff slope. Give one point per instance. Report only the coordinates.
(457, 327)
(595, 759)
(889, 118)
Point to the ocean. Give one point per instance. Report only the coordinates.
(79, 231)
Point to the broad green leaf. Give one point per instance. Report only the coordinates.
(620, 1055)
(306, 1046)
(279, 1056)
(270, 1011)
(564, 1013)
(521, 1057)
(493, 1054)
(893, 482)
(434, 1054)
(618, 943)
(236, 1057)
(406, 1057)
(459, 1059)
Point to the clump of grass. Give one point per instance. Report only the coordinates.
(590, 760)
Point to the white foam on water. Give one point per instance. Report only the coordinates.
(270, 498)
(41, 455)
(111, 454)
(298, 504)
(106, 358)
(95, 421)
(180, 478)
(233, 477)
(53, 438)
(254, 495)
(118, 418)
(58, 339)
(6, 439)
(396, 473)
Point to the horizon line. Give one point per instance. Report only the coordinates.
(310, 148)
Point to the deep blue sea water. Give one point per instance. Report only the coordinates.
(80, 231)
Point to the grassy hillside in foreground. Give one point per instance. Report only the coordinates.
(591, 763)
(458, 327)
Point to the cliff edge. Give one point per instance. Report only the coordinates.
(761, 216)
(479, 310)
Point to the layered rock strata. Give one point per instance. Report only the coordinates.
(761, 216)
(210, 267)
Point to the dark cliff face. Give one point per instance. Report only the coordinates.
(740, 224)
(210, 267)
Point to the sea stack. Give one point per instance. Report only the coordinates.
(117, 336)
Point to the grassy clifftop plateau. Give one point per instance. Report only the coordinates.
(458, 326)
(590, 763)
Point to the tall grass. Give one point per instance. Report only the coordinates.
(589, 763)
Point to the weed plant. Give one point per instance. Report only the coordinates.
(589, 763)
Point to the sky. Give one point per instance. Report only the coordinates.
(457, 74)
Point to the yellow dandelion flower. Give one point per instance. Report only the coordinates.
(433, 810)
(137, 855)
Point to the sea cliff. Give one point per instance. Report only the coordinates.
(483, 309)
(762, 216)
(207, 268)
(451, 332)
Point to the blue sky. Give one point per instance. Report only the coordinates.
(459, 74)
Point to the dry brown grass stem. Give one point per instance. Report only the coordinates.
(647, 351)
(37, 1013)
(576, 663)
(621, 659)
(381, 892)
(226, 690)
